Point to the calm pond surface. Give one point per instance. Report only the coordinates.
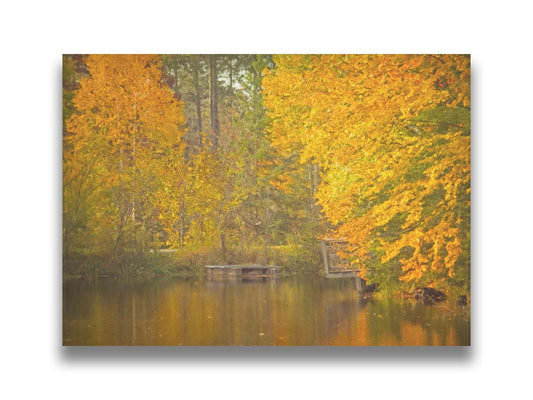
(287, 311)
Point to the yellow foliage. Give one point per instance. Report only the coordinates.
(124, 152)
(355, 115)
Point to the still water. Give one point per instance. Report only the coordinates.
(282, 312)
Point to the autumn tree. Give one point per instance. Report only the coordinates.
(125, 148)
(391, 134)
(232, 196)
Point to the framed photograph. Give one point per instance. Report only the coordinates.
(266, 200)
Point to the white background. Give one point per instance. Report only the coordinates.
(33, 37)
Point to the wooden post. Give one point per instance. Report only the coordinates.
(359, 284)
(325, 257)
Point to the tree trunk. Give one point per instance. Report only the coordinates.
(223, 247)
(198, 95)
(182, 228)
(213, 97)
(230, 94)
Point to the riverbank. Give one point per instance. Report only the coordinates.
(187, 262)
(295, 261)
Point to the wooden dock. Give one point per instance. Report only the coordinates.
(245, 271)
(337, 267)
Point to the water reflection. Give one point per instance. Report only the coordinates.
(269, 312)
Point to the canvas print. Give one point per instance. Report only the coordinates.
(266, 200)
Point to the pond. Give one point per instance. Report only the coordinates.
(282, 312)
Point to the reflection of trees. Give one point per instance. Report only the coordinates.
(341, 306)
(271, 312)
(405, 322)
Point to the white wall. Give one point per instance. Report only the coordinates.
(33, 37)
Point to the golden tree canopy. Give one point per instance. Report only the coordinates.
(383, 129)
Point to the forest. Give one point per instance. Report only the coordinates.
(173, 162)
